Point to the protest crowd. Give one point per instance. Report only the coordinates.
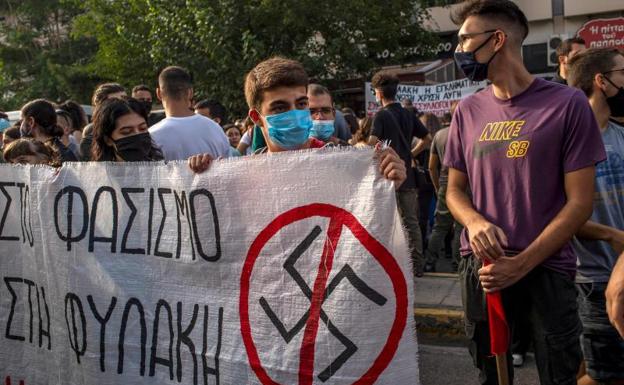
(520, 186)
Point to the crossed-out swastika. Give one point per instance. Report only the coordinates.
(345, 273)
(318, 292)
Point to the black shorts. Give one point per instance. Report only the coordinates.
(603, 348)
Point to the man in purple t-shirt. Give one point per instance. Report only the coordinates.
(528, 148)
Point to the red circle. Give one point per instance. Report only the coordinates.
(376, 249)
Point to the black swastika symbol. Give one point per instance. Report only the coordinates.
(346, 272)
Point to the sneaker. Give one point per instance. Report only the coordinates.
(518, 360)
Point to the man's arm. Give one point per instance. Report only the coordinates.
(434, 164)
(598, 232)
(423, 144)
(486, 239)
(615, 296)
(579, 188)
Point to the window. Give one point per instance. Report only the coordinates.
(535, 58)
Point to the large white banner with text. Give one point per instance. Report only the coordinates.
(273, 269)
(436, 98)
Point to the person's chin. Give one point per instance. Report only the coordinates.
(275, 148)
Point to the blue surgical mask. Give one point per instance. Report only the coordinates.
(290, 129)
(322, 129)
(469, 65)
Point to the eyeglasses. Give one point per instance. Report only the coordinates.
(467, 36)
(322, 110)
(616, 70)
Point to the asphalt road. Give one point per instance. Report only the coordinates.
(452, 365)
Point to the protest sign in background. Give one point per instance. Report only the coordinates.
(277, 269)
(436, 98)
(603, 33)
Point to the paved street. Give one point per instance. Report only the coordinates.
(452, 365)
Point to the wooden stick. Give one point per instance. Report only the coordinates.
(501, 368)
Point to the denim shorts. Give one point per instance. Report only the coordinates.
(603, 348)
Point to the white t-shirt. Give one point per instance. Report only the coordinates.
(180, 138)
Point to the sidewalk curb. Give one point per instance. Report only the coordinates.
(439, 322)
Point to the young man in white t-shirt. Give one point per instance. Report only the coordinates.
(183, 133)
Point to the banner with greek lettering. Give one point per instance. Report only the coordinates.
(273, 269)
(435, 98)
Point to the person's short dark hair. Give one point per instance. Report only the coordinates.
(3, 115)
(273, 73)
(78, 116)
(505, 11)
(215, 109)
(318, 90)
(44, 115)
(387, 82)
(102, 92)
(174, 82)
(565, 47)
(141, 87)
(582, 68)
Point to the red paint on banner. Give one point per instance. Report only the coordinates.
(337, 219)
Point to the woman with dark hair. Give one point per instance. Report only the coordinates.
(352, 123)
(78, 118)
(360, 138)
(120, 132)
(64, 120)
(39, 122)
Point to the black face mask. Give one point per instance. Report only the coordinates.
(616, 102)
(135, 148)
(469, 65)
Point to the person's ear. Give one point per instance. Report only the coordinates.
(499, 39)
(218, 120)
(159, 94)
(600, 82)
(109, 142)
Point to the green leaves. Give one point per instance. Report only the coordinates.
(129, 41)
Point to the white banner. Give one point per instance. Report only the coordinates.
(436, 98)
(276, 269)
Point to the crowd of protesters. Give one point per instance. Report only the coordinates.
(522, 184)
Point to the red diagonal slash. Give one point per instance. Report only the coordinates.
(306, 361)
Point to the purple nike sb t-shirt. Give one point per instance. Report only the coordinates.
(516, 152)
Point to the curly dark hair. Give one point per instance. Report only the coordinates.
(104, 122)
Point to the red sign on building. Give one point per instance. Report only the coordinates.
(603, 33)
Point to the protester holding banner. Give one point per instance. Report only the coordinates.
(529, 148)
(276, 93)
(599, 73)
(120, 133)
(398, 126)
(39, 121)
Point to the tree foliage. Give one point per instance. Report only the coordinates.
(38, 55)
(220, 40)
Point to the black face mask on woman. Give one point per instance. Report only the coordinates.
(616, 102)
(134, 148)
